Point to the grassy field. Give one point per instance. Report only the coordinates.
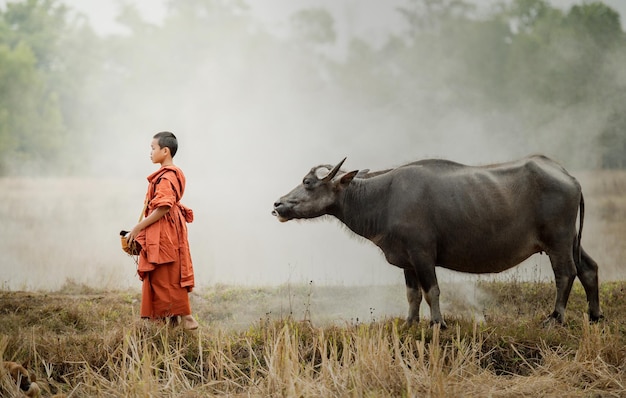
(85, 343)
(302, 340)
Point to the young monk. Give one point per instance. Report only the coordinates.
(165, 265)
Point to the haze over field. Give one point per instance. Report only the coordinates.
(254, 109)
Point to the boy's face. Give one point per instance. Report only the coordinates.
(157, 154)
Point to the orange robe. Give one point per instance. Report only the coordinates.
(165, 265)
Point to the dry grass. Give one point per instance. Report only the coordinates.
(88, 343)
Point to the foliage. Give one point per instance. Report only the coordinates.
(315, 25)
(555, 75)
(39, 78)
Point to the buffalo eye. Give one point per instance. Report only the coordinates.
(308, 183)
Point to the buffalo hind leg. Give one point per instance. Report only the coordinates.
(413, 295)
(587, 271)
(564, 273)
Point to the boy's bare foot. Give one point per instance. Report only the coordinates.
(189, 323)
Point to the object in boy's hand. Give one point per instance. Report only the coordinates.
(133, 248)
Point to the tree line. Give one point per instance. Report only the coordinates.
(537, 75)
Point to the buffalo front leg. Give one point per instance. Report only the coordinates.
(413, 295)
(564, 273)
(424, 267)
(587, 271)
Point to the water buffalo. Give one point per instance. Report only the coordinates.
(476, 219)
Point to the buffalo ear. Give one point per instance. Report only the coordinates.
(362, 173)
(348, 177)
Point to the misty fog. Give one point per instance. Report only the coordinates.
(252, 117)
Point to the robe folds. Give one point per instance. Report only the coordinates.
(165, 265)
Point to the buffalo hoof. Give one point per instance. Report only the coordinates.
(554, 319)
(596, 318)
(442, 324)
(412, 321)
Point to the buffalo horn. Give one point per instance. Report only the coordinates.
(334, 171)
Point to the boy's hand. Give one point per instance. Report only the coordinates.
(154, 216)
(133, 234)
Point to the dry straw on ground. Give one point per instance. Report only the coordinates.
(92, 344)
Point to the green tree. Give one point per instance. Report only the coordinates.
(561, 69)
(39, 23)
(553, 75)
(613, 141)
(44, 65)
(31, 126)
(314, 25)
(597, 22)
